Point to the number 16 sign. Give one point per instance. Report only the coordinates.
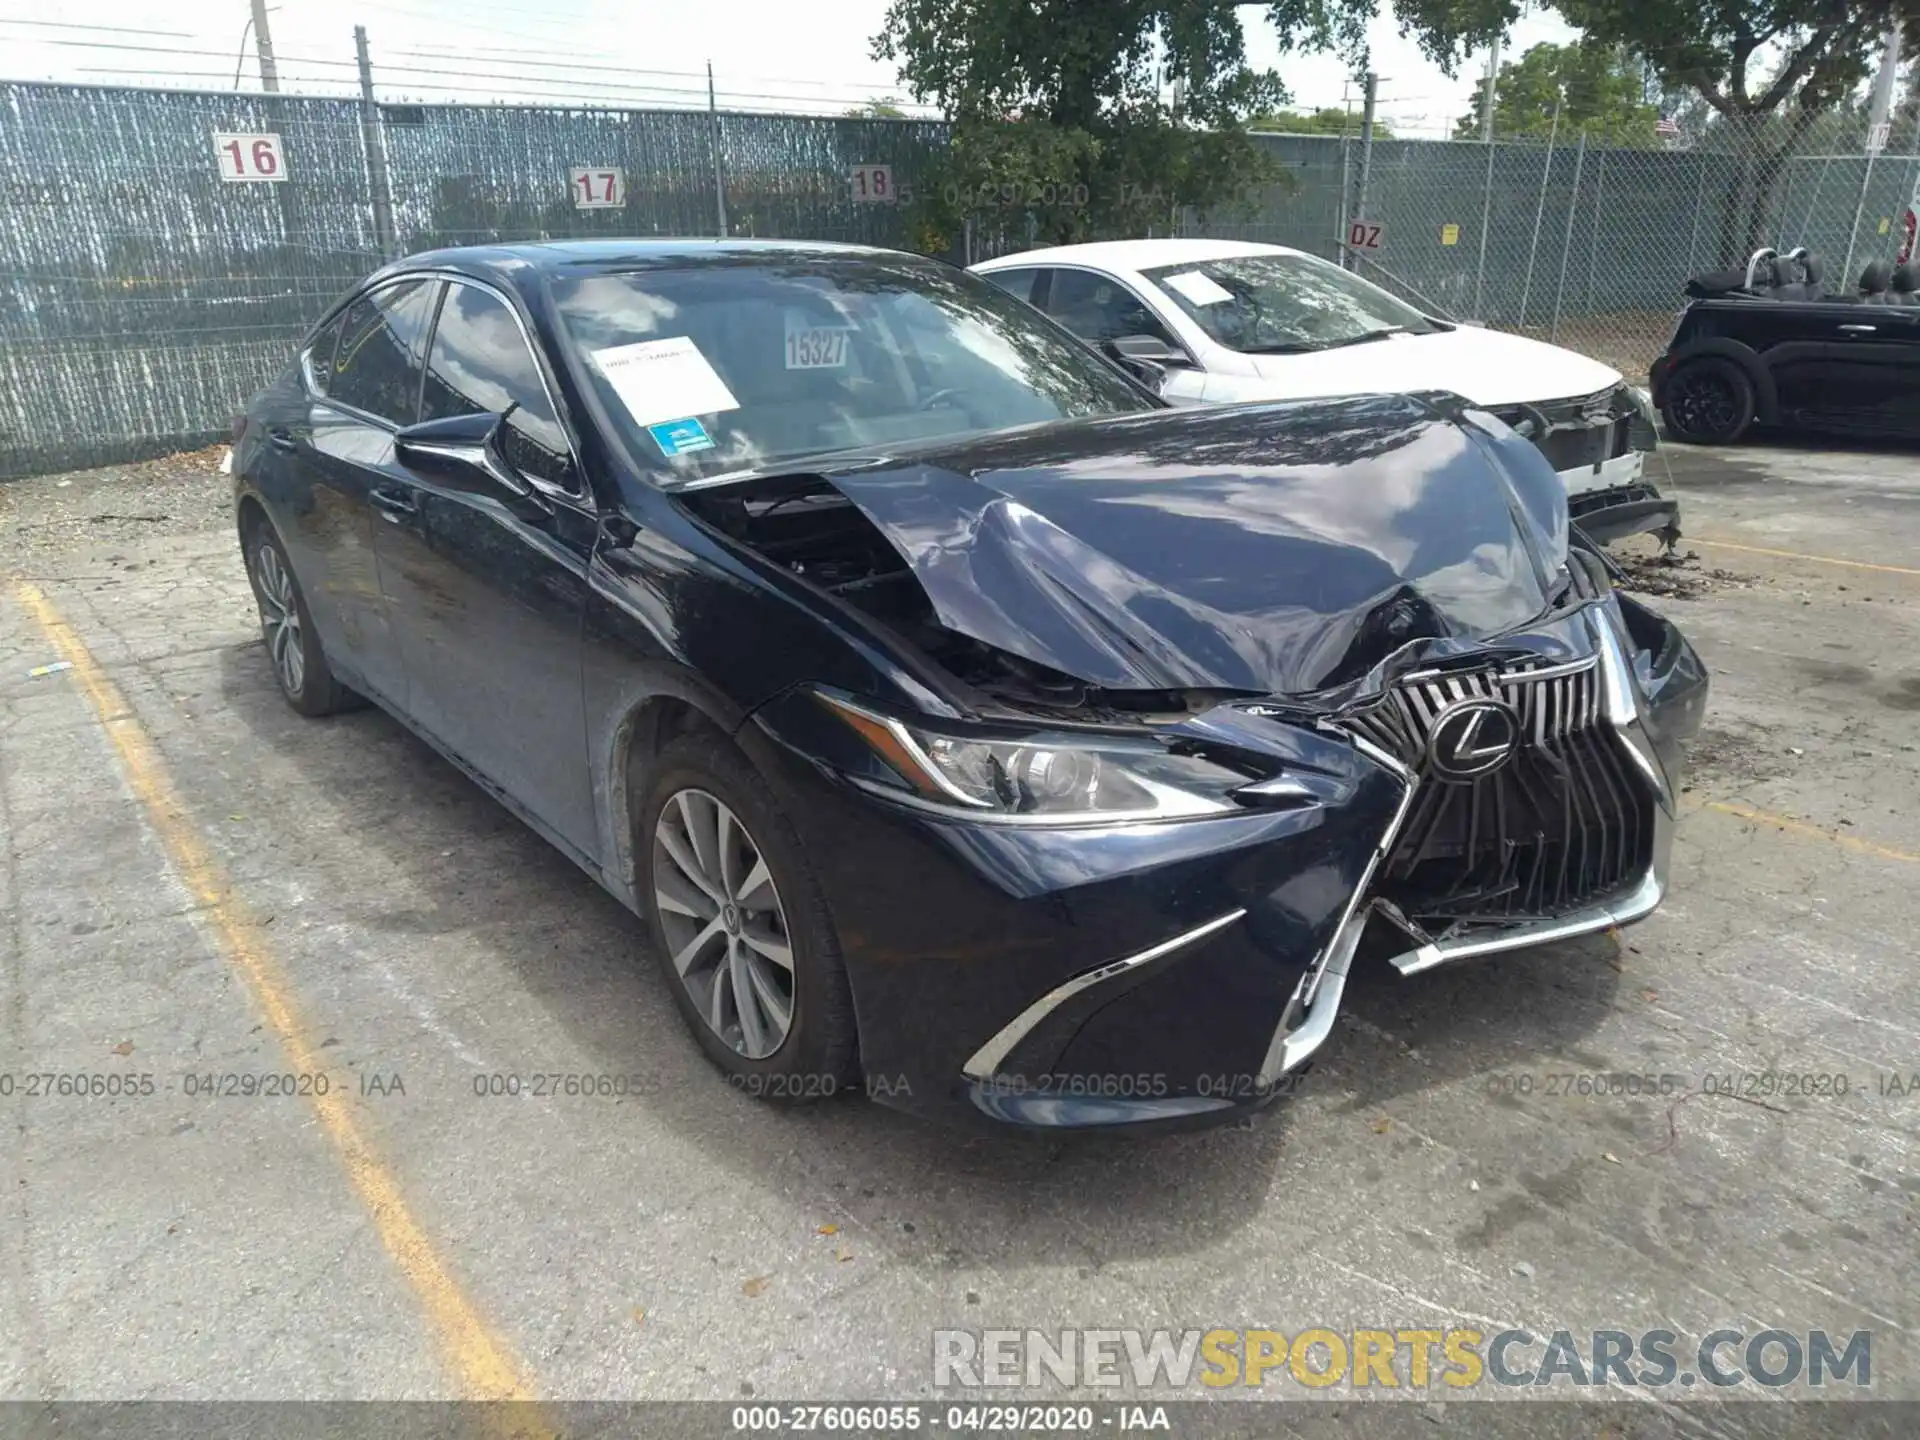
(249, 157)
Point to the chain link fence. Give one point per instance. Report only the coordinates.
(1584, 245)
(143, 298)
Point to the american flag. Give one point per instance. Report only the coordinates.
(1666, 125)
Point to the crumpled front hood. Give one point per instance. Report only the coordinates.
(1270, 549)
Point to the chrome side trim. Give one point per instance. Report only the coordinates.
(986, 1061)
(1623, 711)
(1317, 996)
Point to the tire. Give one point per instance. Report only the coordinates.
(1708, 401)
(712, 923)
(293, 646)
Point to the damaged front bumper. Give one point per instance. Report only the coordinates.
(1179, 974)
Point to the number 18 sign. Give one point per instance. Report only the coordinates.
(249, 157)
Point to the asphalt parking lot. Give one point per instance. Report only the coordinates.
(199, 883)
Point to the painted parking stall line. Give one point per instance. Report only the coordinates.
(480, 1360)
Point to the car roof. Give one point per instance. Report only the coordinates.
(511, 261)
(1135, 254)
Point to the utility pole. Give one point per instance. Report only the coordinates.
(719, 181)
(1493, 84)
(1372, 82)
(374, 138)
(263, 42)
(1878, 109)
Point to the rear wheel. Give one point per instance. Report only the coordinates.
(740, 926)
(293, 648)
(1708, 401)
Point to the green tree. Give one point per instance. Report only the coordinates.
(877, 110)
(1327, 120)
(1767, 68)
(1060, 124)
(1597, 90)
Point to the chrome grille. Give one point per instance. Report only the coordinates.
(1563, 823)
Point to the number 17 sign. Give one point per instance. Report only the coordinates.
(596, 187)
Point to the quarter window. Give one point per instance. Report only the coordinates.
(1017, 283)
(480, 364)
(320, 356)
(382, 336)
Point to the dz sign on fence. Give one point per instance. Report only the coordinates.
(1365, 235)
(598, 188)
(249, 157)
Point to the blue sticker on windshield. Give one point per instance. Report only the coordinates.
(680, 437)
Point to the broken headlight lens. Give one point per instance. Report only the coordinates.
(1056, 777)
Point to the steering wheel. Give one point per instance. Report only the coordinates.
(949, 393)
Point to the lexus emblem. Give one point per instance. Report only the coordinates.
(1472, 738)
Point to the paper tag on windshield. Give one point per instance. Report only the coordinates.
(1200, 288)
(664, 380)
(811, 347)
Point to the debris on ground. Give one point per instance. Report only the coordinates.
(1673, 577)
(50, 515)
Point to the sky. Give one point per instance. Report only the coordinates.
(766, 54)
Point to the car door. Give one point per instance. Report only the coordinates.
(1839, 365)
(362, 373)
(488, 600)
(1872, 372)
(1098, 308)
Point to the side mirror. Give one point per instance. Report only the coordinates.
(464, 451)
(1145, 347)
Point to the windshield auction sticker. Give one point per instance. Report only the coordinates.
(815, 347)
(1201, 289)
(680, 437)
(660, 380)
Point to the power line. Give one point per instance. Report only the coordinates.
(477, 51)
(110, 29)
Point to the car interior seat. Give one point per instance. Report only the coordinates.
(1874, 281)
(1900, 286)
(1811, 273)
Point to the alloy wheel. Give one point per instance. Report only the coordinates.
(725, 930)
(280, 617)
(1705, 404)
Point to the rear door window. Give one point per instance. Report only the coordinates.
(383, 338)
(481, 364)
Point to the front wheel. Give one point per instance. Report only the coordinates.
(740, 926)
(1708, 401)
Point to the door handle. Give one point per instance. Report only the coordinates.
(393, 504)
(281, 439)
(1859, 329)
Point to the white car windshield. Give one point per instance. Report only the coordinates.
(1286, 304)
(749, 361)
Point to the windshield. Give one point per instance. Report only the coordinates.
(744, 361)
(1283, 304)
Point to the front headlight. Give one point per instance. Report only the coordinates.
(1046, 778)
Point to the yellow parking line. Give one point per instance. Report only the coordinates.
(1801, 827)
(1796, 555)
(486, 1369)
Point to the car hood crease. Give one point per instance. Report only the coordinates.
(1273, 549)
